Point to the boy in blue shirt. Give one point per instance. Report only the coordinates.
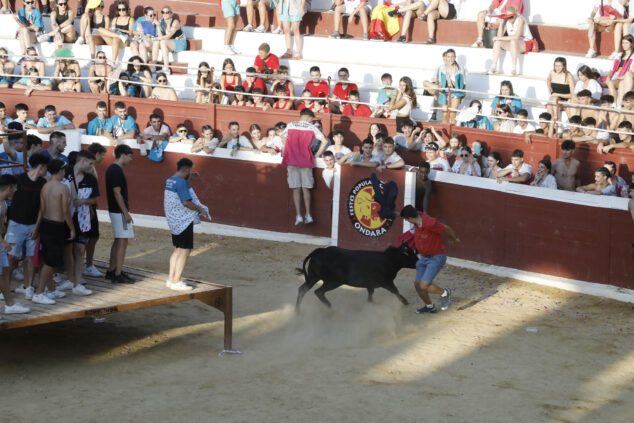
(101, 124)
(52, 122)
(182, 135)
(30, 25)
(122, 125)
(21, 115)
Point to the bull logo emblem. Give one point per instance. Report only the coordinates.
(363, 210)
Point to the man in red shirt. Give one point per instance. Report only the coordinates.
(266, 62)
(343, 88)
(317, 87)
(431, 257)
(497, 7)
(353, 109)
(253, 81)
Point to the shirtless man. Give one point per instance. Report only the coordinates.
(590, 134)
(583, 98)
(566, 169)
(608, 119)
(618, 140)
(54, 213)
(628, 104)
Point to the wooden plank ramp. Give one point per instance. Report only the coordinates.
(108, 298)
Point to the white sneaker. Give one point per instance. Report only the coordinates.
(591, 53)
(299, 219)
(17, 274)
(54, 294)
(81, 290)
(42, 38)
(228, 50)
(16, 308)
(92, 271)
(29, 292)
(308, 219)
(20, 289)
(234, 49)
(178, 286)
(58, 278)
(260, 29)
(80, 40)
(277, 30)
(64, 286)
(42, 299)
(248, 28)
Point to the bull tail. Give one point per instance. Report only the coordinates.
(309, 282)
(302, 270)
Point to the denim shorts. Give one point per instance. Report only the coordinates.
(4, 260)
(20, 236)
(427, 267)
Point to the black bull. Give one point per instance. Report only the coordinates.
(363, 269)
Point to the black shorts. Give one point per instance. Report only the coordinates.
(185, 239)
(80, 237)
(52, 236)
(451, 14)
(94, 225)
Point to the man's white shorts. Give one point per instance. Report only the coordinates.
(300, 177)
(349, 7)
(120, 227)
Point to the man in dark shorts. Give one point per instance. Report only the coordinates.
(431, 257)
(117, 193)
(93, 234)
(182, 211)
(54, 213)
(84, 192)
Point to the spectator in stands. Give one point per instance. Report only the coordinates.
(573, 130)
(503, 124)
(217, 97)
(30, 25)
(466, 163)
(317, 86)
(100, 125)
(204, 82)
(6, 8)
(424, 137)
(391, 159)
(182, 135)
(266, 62)
(231, 12)
(403, 102)
(621, 67)
(291, 14)
(300, 161)
(62, 24)
(207, 142)
(343, 88)
(601, 185)
(140, 76)
(257, 139)
(452, 148)
(588, 82)
(229, 79)
(263, 7)
(449, 75)
(606, 16)
(7, 67)
(355, 109)
(628, 106)
(561, 83)
(307, 102)
(65, 64)
(90, 25)
(32, 60)
(52, 122)
(365, 158)
(234, 141)
(436, 162)
(118, 35)
(426, 11)
(22, 116)
(479, 121)
(163, 91)
(330, 168)
(282, 103)
(12, 150)
(258, 99)
(4, 119)
(122, 87)
(374, 129)
(33, 82)
(506, 96)
(100, 70)
(170, 37)
(156, 130)
(517, 171)
(588, 132)
(144, 31)
(314, 147)
(494, 162)
(69, 83)
(522, 126)
(352, 8)
(582, 98)
(275, 144)
(338, 149)
(407, 139)
(566, 168)
(618, 141)
(619, 183)
(239, 99)
(384, 96)
(497, 8)
(281, 79)
(518, 39)
(123, 125)
(252, 81)
(543, 178)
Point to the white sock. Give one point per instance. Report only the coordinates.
(430, 305)
(444, 294)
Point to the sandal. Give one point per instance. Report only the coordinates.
(286, 55)
(478, 44)
(422, 18)
(492, 71)
(513, 71)
(297, 57)
(430, 41)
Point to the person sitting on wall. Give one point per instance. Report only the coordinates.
(566, 168)
(391, 160)
(436, 162)
(429, 11)
(331, 168)
(364, 158)
(601, 185)
(607, 16)
(352, 8)
(490, 16)
(517, 171)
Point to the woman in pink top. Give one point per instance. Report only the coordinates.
(621, 68)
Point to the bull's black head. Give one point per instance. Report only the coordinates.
(403, 255)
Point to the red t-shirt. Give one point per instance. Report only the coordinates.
(318, 90)
(342, 94)
(272, 62)
(282, 103)
(428, 236)
(362, 110)
(517, 3)
(303, 106)
(258, 83)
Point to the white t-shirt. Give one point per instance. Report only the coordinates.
(524, 169)
(391, 160)
(242, 141)
(593, 86)
(456, 168)
(519, 130)
(440, 164)
(276, 143)
(548, 182)
(163, 131)
(329, 174)
(339, 154)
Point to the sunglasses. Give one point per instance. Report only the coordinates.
(122, 9)
(464, 155)
(343, 75)
(182, 131)
(150, 16)
(62, 4)
(101, 57)
(161, 80)
(166, 12)
(29, 2)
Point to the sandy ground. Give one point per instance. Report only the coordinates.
(359, 362)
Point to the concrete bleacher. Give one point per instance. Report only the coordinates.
(420, 63)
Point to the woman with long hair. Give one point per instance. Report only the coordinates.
(163, 91)
(620, 69)
(170, 37)
(139, 71)
(229, 79)
(561, 84)
(449, 75)
(101, 71)
(506, 97)
(62, 24)
(494, 162)
(117, 34)
(503, 124)
(403, 102)
(587, 81)
(518, 39)
(204, 82)
(601, 185)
